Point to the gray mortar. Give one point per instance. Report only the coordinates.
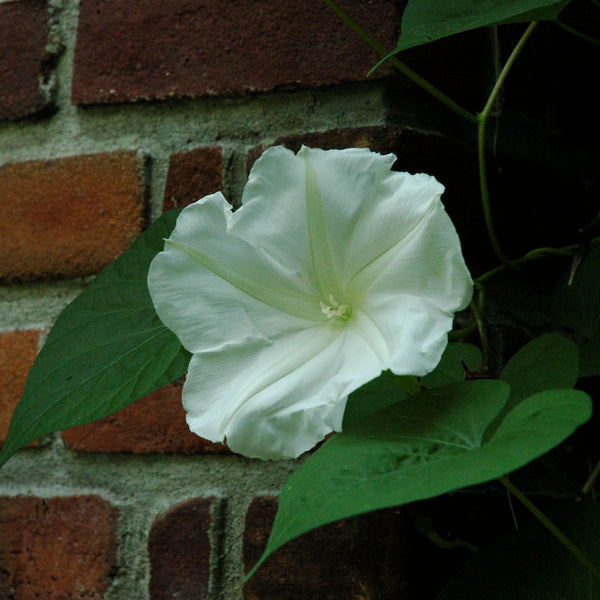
(142, 487)
(36, 305)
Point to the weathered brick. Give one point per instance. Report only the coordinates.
(179, 548)
(131, 51)
(25, 65)
(154, 424)
(18, 350)
(346, 559)
(70, 216)
(193, 174)
(56, 548)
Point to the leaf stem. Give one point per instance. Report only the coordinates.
(482, 118)
(577, 33)
(535, 254)
(402, 67)
(485, 194)
(550, 526)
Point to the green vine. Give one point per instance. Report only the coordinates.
(477, 305)
(577, 33)
(402, 67)
(481, 124)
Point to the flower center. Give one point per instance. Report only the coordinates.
(332, 308)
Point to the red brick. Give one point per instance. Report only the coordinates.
(57, 547)
(180, 550)
(132, 50)
(68, 217)
(154, 424)
(348, 559)
(18, 350)
(193, 174)
(25, 66)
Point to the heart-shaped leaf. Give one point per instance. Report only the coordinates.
(387, 389)
(547, 362)
(420, 447)
(106, 349)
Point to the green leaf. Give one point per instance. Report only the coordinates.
(388, 388)
(106, 349)
(531, 563)
(424, 22)
(426, 445)
(372, 397)
(549, 361)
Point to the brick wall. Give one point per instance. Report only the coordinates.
(114, 111)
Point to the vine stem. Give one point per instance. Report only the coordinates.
(532, 255)
(589, 484)
(482, 118)
(483, 115)
(550, 526)
(577, 33)
(402, 67)
(476, 311)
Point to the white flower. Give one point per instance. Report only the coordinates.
(334, 269)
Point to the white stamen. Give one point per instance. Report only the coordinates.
(333, 309)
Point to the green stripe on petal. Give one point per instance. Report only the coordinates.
(269, 293)
(326, 275)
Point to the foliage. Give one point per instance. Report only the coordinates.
(107, 349)
(306, 289)
(404, 439)
(432, 443)
(424, 22)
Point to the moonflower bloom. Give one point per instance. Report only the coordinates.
(334, 269)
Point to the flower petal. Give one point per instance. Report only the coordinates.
(277, 401)
(414, 329)
(367, 208)
(427, 264)
(333, 269)
(273, 213)
(412, 292)
(213, 289)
